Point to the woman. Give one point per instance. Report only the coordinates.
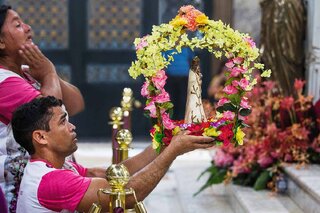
(19, 86)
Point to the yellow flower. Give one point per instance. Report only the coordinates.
(176, 130)
(155, 144)
(202, 19)
(239, 136)
(178, 21)
(156, 127)
(211, 132)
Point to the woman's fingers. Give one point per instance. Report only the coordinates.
(25, 57)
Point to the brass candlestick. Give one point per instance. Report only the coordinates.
(116, 115)
(118, 176)
(124, 138)
(126, 104)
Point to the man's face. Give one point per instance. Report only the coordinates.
(61, 138)
(15, 32)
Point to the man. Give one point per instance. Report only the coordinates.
(19, 86)
(52, 184)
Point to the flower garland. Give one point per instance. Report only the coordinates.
(218, 39)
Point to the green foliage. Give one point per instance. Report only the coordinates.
(217, 176)
(227, 106)
(262, 181)
(245, 112)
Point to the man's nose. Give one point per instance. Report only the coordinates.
(72, 127)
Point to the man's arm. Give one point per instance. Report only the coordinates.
(133, 164)
(146, 179)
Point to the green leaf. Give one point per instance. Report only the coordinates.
(244, 125)
(220, 109)
(217, 176)
(167, 105)
(262, 181)
(245, 112)
(227, 107)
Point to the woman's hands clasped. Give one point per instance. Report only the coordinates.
(40, 66)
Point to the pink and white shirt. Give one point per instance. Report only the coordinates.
(14, 91)
(45, 189)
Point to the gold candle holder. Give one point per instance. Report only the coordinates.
(118, 176)
(126, 102)
(116, 115)
(124, 139)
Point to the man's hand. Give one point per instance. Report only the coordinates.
(40, 65)
(183, 143)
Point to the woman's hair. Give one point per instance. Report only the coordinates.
(3, 14)
(32, 116)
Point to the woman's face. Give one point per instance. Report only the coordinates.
(15, 33)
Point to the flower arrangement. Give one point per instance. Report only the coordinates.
(218, 39)
(284, 130)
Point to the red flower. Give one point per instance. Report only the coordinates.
(226, 134)
(167, 137)
(196, 129)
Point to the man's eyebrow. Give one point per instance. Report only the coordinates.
(63, 116)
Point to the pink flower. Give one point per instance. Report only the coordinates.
(144, 89)
(152, 108)
(230, 55)
(235, 83)
(237, 60)
(159, 80)
(229, 90)
(243, 118)
(245, 104)
(298, 84)
(269, 84)
(162, 97)
(222, 159)
(287, 103)
(271, 129)
(265, 160)
(229, 64)
(240, 166)
(186, 9)
(190, 14)
(222, 101)
(288, 158)
(244, 83)
(236, 71)
(143, 43)
(228, 115)
(250, 42)
(167, 122)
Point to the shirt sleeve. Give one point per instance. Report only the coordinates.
(62, 189)
(14, 91)
(82, 170)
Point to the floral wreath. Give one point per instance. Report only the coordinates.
(218, 39)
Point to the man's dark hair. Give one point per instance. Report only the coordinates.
(32, 116)
(3, 14)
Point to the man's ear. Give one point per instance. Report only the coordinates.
(39, 137)
(2, 44)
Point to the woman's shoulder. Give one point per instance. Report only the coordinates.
(5, 73)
